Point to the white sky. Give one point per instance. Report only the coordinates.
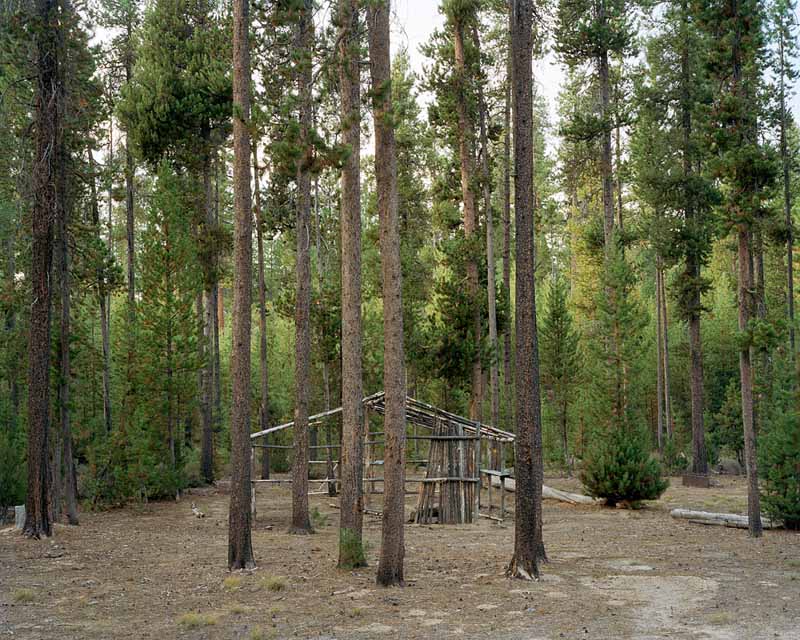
(415, 20)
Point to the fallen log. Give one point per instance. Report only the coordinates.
(550, 494)
(721, 519)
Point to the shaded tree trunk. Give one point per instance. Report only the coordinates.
(494, 382)
(351, 553)
(304, 43)
(47, 136)
(659, 360)
(465, 153)
(746, 379)
(528, 543)
(101, 298)
(263, 414)
(209, 316)
(240, 547)
(787, 196)
(507, 380)
(390, 565)
(66, 478)
(606, 171)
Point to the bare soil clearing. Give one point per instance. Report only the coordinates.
(159, 572)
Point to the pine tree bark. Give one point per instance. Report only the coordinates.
(263, 413)
(351, 553)
(304, 43)
(209, 315)
(659, 359)
(668, 420)
(390, 564)
(465, 154)
(240, 547)
(47, 136)
(66, 478)
(528, 470)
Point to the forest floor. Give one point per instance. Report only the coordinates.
(155, 571)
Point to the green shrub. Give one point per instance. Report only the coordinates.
(619, 468)
(780, 469)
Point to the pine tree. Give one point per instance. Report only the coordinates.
(560, 356)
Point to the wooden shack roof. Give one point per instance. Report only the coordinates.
(417, 412)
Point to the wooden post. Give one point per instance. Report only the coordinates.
(478, 474)
(367, 461)
(502, 481)
(253, 485)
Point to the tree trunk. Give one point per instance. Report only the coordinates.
(693, 265)
(304, 43)
(263, 414)
(351, 553)
(507, 381)
(101, 298)
(240, 547)
(528, 543)
(66, 478)
(787, 197)
(494, 382)
(465, 153)
(47, 136)
(668, 421)
(209, 315)
(605, 157)
(659, 360)
(746, 378)
(390, 565)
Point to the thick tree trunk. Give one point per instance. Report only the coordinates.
(351, 553)
(304, 43)
(101, 297)
(240, 547)
(263, 413)
(466, 136)
(528, 544)
(66, 478)
(746, 378)
(390, 565)
(47, 128)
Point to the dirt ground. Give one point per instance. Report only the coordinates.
(156, 571)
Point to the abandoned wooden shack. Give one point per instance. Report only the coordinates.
(454, 456)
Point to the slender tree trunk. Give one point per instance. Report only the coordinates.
(606, 171)
(494, 382)
(47, 136)
(659, 359)
(465, 153)
(240, 547)
(746, 378)
(351, 553)
(101, 298)
(219, 315)
(787, 198)
(390, 565)
(209, 316)
(668, 420)
(507, 379)
(528, 543)
(693, 264)
(304, 43)
(263, 413)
